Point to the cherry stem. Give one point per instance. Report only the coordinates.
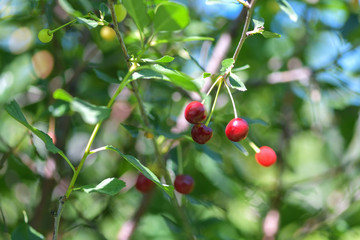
(253, 146)
(211, 88)
(232, 100)
(180, 159)
(215, 100)
(56, 29)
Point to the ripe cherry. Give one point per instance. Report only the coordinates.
(266, 156)
(237, 129)
(195, 112)
(45, 35)
(143, 184)
(184, 184)
(201, 133)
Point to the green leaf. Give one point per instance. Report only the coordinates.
(239, 69)
(147, 74)
(226, 63)
(258, 23)
(89, 22)
(268, 34)
(241, 148)
(171, 16)
(25, 232)
(144, 170)
(14, 110)
(91, 114)
(138, 11)
(178, 78)
(184, 39)
(236, 83)
(286, 7)
(134, 131)
(211, 2)
(105, 77)
(164, 59)
(109, 186)
(61, 94)
(206, 74)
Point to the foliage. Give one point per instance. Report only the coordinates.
(82, 112)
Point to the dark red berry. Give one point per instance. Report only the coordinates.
(201, 133)
(195, 112)
(143, 184)
(237, 129)
(266, 157)
(184, 184)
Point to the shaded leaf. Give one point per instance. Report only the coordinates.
(144, 170)
(138, 11)
(109, 186)
(236, 83)
(25, 232)
(286, 7)
(241, 148)
(164, 59)
(105, 77)
(171, 16)
(210, 2)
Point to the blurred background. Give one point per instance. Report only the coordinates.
(302, 100)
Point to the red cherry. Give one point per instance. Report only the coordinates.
(184, 184)
(201, 133)
(143, 184)
(195, 112)
(266, 157)
(237, 129)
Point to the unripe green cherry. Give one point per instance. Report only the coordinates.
(120, 12)
(45, 35)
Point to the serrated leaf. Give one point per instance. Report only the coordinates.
(268, 34)
(14, 110)
(90, 113)
(226, 63)
(178, 78)
(236, 83)
(138, 11)
(109, 186)
(241, 148)
(206, 74)
(239, 69)
(89, 22)
(164, 59)
(144, 170)
(286, 7)
(171, 16)
(258, 23)
(184, 39)
(25, 232)
(105, 77)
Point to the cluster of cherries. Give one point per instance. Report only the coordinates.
(236, 130)
(183, 184)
